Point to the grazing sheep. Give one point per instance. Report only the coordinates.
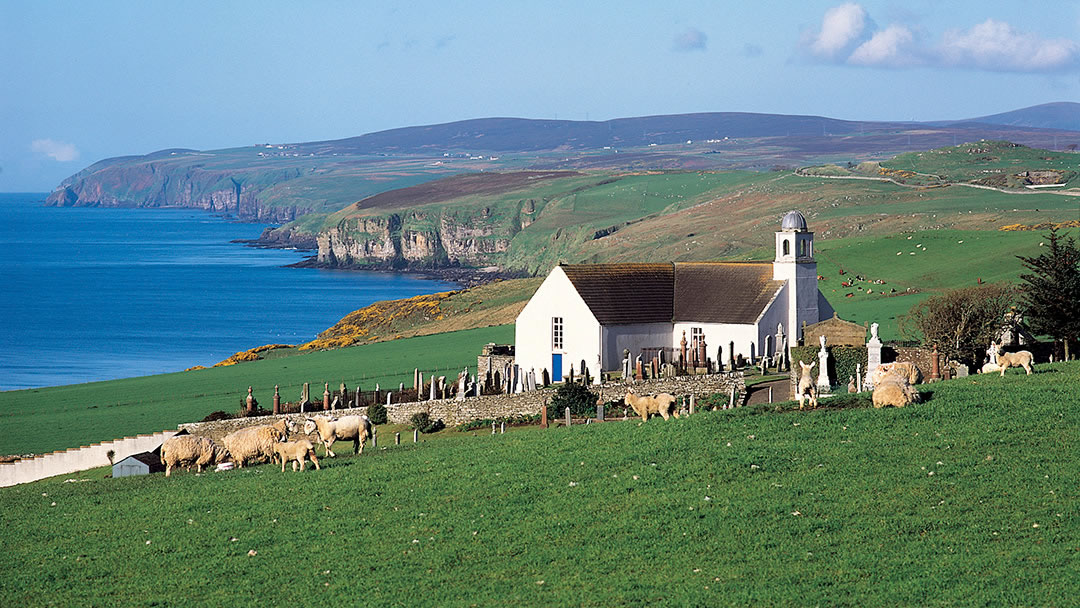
(903, 369)
(663, 404)
(806, 385)
(356, 428)
(187, 450)
(255, 441)
(1021, 358)
(893, 385)
(295, 450)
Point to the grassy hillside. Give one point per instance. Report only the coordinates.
(496, 303)
(84, 413)
(967, 499)
(701, 215)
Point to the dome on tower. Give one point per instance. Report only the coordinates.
(793, 220)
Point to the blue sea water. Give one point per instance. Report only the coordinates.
(97, 294)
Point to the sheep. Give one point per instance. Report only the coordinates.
(663, 404)
(295, 450)
(187, 450)
(1021, 358)
(903, 369)
(255, 441)
(894, 391)
(806, 385)
(356, 428)
(893, 385)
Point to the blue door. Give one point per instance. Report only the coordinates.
(556, 367)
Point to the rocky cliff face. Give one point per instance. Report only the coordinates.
(160, 184)
(418, 240)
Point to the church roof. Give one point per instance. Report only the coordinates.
(723, 292)
(793, 220)
(708, 292)
(625, 294)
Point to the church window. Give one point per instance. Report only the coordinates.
(556, 333)
(787, 247)
(696, 335)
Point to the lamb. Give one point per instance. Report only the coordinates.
(1021, 358)
(356, 428)
(663, 404)
(806, 385)
(187, 450)
(295, 450)
(255, 441)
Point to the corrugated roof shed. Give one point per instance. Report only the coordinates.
(723, 292)
(625, 294)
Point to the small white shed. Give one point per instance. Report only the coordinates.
(142, 463)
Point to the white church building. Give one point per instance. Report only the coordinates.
(593, 312)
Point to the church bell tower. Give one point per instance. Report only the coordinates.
(795, 264)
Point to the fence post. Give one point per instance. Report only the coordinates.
(397, 438)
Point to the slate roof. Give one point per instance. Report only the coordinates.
(625, 294)
(709, 292)
(723, 292)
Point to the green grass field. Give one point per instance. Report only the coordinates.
(967, 499)
(84, 413)
(929, 262)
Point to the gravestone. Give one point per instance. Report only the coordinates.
(823, 384)
(277, 401)
(567, 416)
(873, 355)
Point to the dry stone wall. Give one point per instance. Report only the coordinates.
(454, 412)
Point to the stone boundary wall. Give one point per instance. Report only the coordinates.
(78, 459)
(454, 412)
(451, 411)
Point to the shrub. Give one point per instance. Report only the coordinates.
(578, 398)
(377, 413)
(218, 415)
(422, 422)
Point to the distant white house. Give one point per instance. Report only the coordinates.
(591, 313)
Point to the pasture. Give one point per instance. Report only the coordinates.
(84, 413)
(969, 498)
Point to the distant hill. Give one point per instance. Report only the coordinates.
(278, 183)
(1062, 115)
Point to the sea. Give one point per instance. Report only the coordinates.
(89, 294)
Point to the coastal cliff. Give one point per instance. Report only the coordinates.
(163, 182)
(427, 239)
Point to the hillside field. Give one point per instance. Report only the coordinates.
(967, 499)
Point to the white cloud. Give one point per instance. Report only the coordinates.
(849, 36)
(892, 46)
(56, 150)
(690, 40)
(996, 45)
(842, 27)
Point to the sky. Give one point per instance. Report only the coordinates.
(82, 81)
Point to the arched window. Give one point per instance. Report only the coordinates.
(787, 247)
(802, 249)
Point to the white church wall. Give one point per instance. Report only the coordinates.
(774, 314)
(556, 297)
(632, 338)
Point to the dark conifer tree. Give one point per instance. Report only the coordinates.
(1051, 291)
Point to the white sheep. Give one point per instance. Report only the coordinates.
(663, 404)
(255, 441)
(807, 389)
(1021, 358)
(297, 451)
(355, 428)
(893, 384)
(187, 450)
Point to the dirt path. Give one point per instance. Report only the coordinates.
(759, 393)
